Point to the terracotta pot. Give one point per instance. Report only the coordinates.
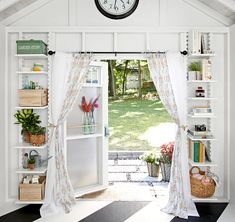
(31, 166)
(37, 140)
(26, 136)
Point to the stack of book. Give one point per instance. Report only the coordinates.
(197, 151)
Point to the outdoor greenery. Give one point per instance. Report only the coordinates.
(130, 118)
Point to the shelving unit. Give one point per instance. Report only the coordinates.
(206, 164)
(28, 146)
(32, 107)
(32, 72)
(197, 144)
(23, 61)
(196, 138)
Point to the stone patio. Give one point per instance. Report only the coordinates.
(129, 180)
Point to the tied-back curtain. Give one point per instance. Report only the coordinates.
(68, 72)
(168, 72)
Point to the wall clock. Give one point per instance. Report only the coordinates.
(116, 9)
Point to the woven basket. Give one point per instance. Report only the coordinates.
(198, 187)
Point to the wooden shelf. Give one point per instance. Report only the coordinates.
(40, 170)
(81, 136)
(205, 164)
(202, 98)
(32, 72)
(29, 202)
(201, 81)
(202, 55)
(32, 56)
(195, 138)
(31, 107)
(29, 146)
(201, 116)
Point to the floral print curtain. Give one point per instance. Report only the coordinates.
(169, 76)
(68, 72)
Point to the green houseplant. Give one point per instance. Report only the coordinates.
(152, 161)
(27, 119)
(31, 163)
(166, 153)
(37, 135)
(194, 71)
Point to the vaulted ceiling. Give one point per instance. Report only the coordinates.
(221, 10)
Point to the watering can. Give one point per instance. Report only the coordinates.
(33, 154)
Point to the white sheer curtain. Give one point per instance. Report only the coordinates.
(168, 72)
(67, 74)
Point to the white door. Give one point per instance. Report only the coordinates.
(87, 150)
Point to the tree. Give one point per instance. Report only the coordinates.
(112, 79)
(139, 80)
(124, 77)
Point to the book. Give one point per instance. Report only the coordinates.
(201, 151)
(196, 152)
(191, 149)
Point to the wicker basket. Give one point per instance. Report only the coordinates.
(198, 187)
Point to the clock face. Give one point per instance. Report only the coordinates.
(116, 9)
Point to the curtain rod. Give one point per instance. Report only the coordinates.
(115, 53)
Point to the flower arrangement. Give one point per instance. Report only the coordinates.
(88, 108)
(166, 152)
(151, 157)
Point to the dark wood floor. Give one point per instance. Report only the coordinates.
(118, 211)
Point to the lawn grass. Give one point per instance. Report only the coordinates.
(131, 118)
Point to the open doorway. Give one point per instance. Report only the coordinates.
(139, 124)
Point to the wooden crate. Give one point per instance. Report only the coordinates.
(32, 192)
(33, 97)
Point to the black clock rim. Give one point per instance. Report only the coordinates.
(111, 16)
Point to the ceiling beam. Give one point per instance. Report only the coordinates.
(25, 11)
(6, 4)
(228, 3)
(210, 12)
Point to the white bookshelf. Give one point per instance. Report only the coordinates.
(211, 116)
(202, 98)
(32, 56)
(209, 75)
(32, 107)
(28, 146)
(204, 164)
(198, 138)
(32, 72)
(41, 77)
(28, 202)
(41, 170)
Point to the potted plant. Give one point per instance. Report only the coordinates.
(37, 135)
(27, 118)
(166, 152)
(152, 161)
(31, 163)
(194, 71)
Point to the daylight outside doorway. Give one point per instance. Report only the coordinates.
(138, 124)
